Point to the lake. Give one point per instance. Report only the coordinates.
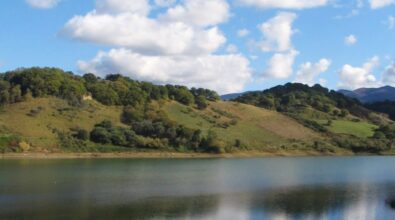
(254, 188)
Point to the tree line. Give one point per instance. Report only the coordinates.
(114, 89)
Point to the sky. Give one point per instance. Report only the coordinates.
(225, 45)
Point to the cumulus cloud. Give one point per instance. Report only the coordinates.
(308, 72)
(139, 7)
(284, 4)
(350, 40)
(175, 46)
(357, 77)
(198, 12)
(43, 4)
(131, 28)
(389, 75)
(277, 32)
(375, 4)
(243, 32)
(223, 73)
(277, 35)
(280, 66)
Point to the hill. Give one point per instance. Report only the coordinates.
(237, 127)
(328, 112)
(376, 99)
(231, 96)
(371, 95)
(49, 110)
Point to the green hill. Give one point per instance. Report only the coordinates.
(254, 128)
(48, 110)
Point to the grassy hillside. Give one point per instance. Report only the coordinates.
(34, 125)
(241, 127)
(360, 129)
(257, 128)
(47, 109)
(36, 120)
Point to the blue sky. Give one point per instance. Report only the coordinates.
(198, 42)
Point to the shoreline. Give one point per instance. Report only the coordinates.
(167, 155)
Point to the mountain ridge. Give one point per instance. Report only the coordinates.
(371, 95)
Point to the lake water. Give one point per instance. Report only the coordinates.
(264, 188)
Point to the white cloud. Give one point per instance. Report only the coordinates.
(280, 65)
(243, 32)
(390, 22)
(389, 75)
(375, 4)
(199, 12)
(43, 4)
(178, 46)
(139, 7)
(350, 40)
(165, 3)
(277, 32)
(223, 73)
(135, 31)
(308, 72)
(357, 77)
(284, 4)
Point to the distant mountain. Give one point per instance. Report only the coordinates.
(228, 97)
(370, 95)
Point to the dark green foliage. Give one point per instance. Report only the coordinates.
(386, 107)
(362, 145)
(183, 95)
(154, 135)
(386, 131)
(115, 89)
(131, 114)
(100, 135)
(39, 82)
(292, 97)
(81, 134)
(206, 94)
(201, 102)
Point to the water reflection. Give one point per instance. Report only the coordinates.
(315, 202)
(196, 189)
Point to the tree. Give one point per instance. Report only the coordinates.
(100, 135)
(82, 134)
(184, 96)
(201, 102)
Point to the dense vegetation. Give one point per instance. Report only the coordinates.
(15, 86)
(47, 108)
(147, 126)
(345, 120)
(386, 107)
(291, 97)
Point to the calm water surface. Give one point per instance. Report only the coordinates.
(265, 188)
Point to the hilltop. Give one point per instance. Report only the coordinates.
(377, 99)
(371, 95)
(49, 110)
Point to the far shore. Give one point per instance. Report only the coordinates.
(175, 155)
